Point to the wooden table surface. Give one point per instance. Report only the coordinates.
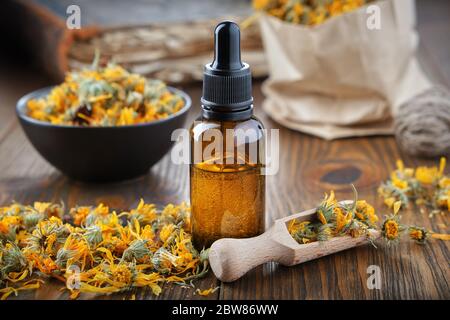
(309, 167)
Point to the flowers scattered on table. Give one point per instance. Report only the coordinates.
(391, 229)
(428, 187)
(100, 251)
(108, 96)
(96, 250)
(307, 12)
(355, 218)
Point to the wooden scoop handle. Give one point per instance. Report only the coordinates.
(230, 259)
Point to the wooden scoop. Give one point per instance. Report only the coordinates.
(230, 259)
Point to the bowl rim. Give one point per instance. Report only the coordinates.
(22, 103)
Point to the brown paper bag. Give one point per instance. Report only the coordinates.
(341, 79)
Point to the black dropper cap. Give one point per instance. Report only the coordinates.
(227, 81)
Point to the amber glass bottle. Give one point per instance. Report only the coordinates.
(227, 149)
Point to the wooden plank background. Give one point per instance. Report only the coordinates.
(308, 167)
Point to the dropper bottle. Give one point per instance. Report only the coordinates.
(227, 149)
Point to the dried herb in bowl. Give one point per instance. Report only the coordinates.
(105, 96)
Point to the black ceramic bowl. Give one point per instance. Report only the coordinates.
(101, 154)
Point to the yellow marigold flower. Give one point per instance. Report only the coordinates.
(21, 237)
(295, 226)
(298, 9)
(321, 217)
(341, 219)
(397, 206)
(166, 232)
(428, 187)
(113, 255)
(420, 235)
(427, 175)
(408, 172)
(442, 164)
(41, 206)
(440, 236)
(102, 210)
(399, 183)
(365, 211)
(404, 172)
(351, 5)
(444, 183)
(391, 229)
(29, 285)
(114, 72)
(4, 228)
(400, 165)
(317, 16)
(57, 98)
(356, 232)
(448, 200)
(371, 213)
(79, 215)
(7, 222)
(292, 226)
(389, 202)
(206, 292)
(306, 12)
(147, 233)
(126, 117)
(331, 200)
(121, 273)
(278, 12)
(44, 264)
(261, 4)
(86, 98)
(335, 8)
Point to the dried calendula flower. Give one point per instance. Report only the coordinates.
(206, 292)
(111, 252)
(355, 219)
(427, 187)
(430, 175)
(105, 96)
(12, 260)
(335, 219)
(307, 12)
(325, 211)
(366, 212)
(391, 228)
(28, 285)
(302, 231)
(421, 235)
(418, 234)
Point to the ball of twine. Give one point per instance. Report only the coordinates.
(422, 125)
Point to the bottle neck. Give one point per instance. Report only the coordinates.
(221, 114)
